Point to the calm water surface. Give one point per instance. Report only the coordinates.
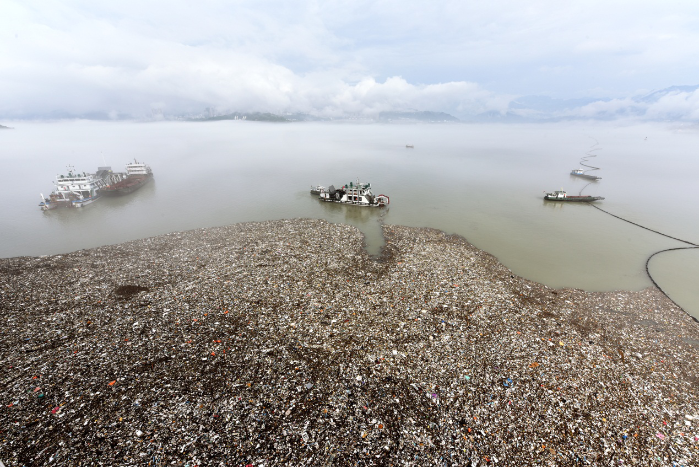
(484, 182)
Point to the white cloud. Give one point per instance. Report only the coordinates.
(675, 106)
(604, 109)
(337, 57)
(369, 97)
(120, 70)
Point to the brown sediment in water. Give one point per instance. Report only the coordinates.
(284, 343)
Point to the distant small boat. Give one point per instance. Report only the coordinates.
(580, 173)
(315, 190)
(411, 146)
(563, 196)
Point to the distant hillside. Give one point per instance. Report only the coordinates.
(655, 95)
(303, 117)
(420, 116)
(493, 116)
(251, 117)
(5, 127)
(545, 104)
(674, 102)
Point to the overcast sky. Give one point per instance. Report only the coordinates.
(338, 57)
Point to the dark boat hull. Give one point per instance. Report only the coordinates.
(588, 177)
(575, 199)
(126, 186)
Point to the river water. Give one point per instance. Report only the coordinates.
(482, 181)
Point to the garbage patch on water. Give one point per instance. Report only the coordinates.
(284, 343)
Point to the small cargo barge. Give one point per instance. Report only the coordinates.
(137, 175)
(315, 190)
(581, 174)
(563, 196)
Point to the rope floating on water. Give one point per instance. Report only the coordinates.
(589, 155)
(650, 276)
(644, 227)
(656, 284)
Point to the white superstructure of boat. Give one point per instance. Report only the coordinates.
(358, 194)
(73, 190)
(315, 190)
(581, 173)
(136, 168)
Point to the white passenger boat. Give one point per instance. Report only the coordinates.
(358, 194)
(74, 190)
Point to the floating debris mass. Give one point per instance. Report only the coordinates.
(284, 343)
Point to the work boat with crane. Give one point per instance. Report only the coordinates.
(358, 194)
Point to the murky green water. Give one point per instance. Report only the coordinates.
(484, 182)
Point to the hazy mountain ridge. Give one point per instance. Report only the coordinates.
(393, 116)
(416, 115)
(656, 95)
(671, 103)
(674, 103)
(253, 117)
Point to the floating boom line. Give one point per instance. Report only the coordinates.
(589, 155)
(650, 276)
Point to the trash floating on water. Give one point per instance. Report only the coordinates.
(283, 343)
